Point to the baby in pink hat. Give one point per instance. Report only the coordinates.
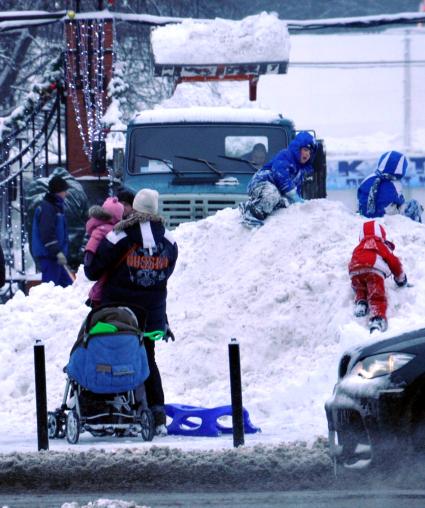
(102, 220)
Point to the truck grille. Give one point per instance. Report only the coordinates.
(188, 207)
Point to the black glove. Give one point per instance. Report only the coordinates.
(168, 334)
(402, 282)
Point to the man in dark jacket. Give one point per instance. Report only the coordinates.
(50, 234)
(2, 268)
(126, 198)
(279, 182)
(139, 256)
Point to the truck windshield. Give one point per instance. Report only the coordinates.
(202, 149)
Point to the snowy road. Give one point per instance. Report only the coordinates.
(316, 499)
(292, 468)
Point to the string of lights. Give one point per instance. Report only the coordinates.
(83, 41)
(71, 79)
(89, 37)
(99, 77)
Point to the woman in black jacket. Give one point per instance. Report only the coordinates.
(136, 260)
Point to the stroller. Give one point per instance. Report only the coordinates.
(104, 392)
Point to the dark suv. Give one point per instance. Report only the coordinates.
(377, 408)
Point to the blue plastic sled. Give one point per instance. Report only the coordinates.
(206, 423)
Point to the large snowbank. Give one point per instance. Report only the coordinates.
(282, 291)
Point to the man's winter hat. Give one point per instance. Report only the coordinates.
(114, 208)
(146, 201)
(125, 196)
(57, 184)
(392, 163)
(372, 228)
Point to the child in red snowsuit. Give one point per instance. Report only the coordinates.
(371, 262)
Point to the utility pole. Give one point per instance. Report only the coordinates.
(407, 82)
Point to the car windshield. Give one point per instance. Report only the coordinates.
(203, 150)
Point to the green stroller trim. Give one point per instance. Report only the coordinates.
(155, 335)
(101, 327)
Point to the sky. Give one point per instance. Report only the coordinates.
(283, 290)
(355, 108)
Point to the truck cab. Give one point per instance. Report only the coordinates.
(201, 159)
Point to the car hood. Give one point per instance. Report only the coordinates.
(409, 342)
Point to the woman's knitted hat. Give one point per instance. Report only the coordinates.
(146, 201)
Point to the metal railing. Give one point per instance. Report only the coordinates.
(24, 153)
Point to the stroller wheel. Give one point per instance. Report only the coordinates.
(72, 427)
(52, 425)
(61, 424)
(147, 424)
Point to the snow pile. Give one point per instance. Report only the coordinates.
(283, 291)
(216, 94)
(259, 38)
(208, 114)
(105, 503)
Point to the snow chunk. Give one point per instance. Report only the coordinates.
(207, 114)
(259, 38)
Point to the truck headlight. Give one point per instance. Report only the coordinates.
(381, 365)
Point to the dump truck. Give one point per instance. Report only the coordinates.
(201, 159)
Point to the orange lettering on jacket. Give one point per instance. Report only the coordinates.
(147, 262)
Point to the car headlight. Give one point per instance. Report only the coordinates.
(381, 365)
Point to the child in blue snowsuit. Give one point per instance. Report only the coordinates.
(279, 182)
(380, 193)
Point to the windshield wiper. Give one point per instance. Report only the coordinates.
(167, 163)
(240, 160)
(204, 161)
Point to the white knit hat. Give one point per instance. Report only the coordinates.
(146, 201)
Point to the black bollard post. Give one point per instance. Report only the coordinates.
(40, 395)
(236, 393)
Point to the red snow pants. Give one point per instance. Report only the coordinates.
(370, 287)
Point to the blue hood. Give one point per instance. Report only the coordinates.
(303, 139)
(392, 163)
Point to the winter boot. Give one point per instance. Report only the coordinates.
(161, 430)
(361, 308)
(160, 419)
(248, 219)
(378, 323)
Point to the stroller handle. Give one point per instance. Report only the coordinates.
(115, 304)
(155, 335)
